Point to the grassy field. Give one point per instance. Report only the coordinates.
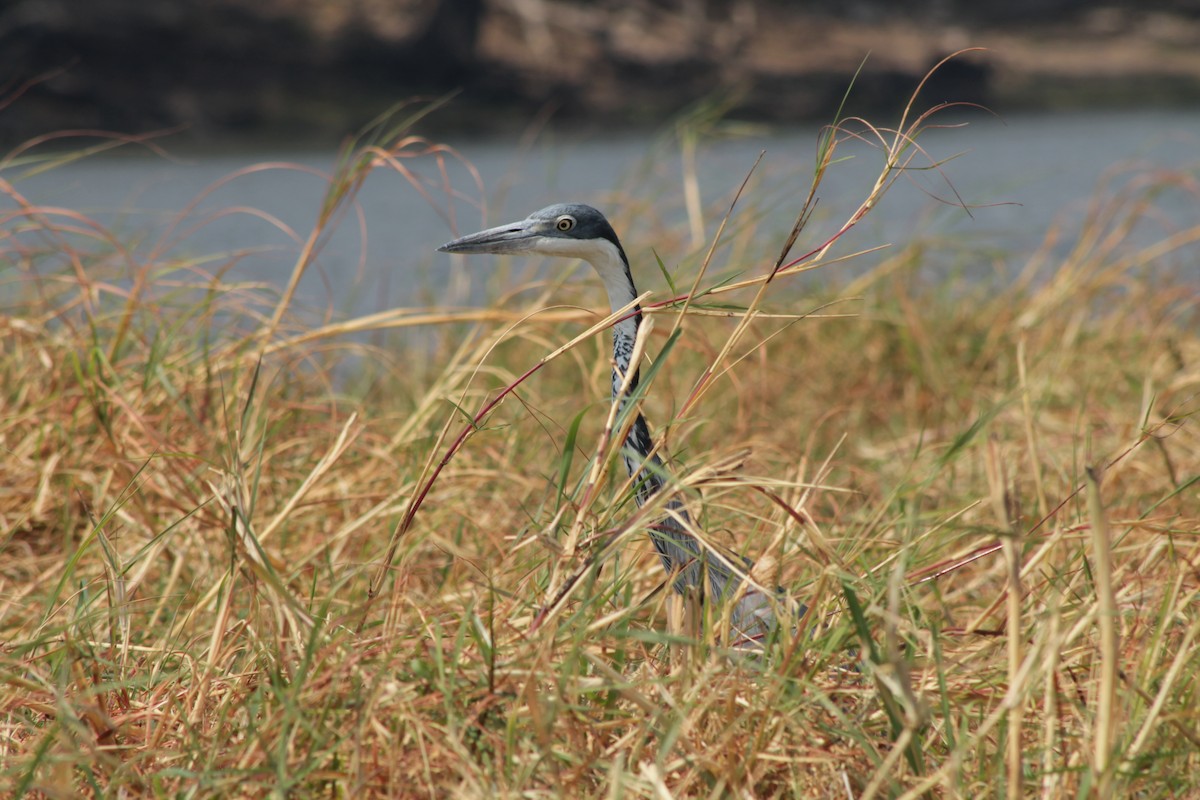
(230, 572)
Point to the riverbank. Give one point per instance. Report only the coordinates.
(308, 72)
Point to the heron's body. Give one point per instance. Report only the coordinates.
(579, 231)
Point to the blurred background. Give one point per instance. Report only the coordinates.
(555, 100)
(315, 69)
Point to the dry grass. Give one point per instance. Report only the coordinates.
(194, 512)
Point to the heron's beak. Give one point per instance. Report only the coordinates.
(516, 237)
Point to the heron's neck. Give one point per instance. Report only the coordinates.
(638, 448)
(680, 553)
(609, 262)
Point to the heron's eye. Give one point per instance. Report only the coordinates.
(565, 223)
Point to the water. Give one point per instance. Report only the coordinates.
(1019, 175)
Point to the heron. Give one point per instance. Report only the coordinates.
(579, 231)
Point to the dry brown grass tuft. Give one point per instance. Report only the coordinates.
(194, 509)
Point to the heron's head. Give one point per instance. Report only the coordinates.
(570, 230)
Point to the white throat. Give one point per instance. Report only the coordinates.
(604, 258)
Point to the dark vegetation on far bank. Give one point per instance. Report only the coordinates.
(314, 69)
